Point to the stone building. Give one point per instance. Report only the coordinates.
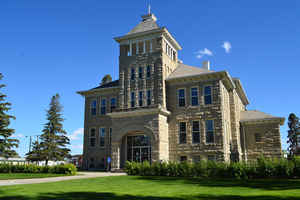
(161, 109)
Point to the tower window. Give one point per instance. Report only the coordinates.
(182, 132)
(132, 99)
(112, 104)
(196, 132)
(92, 137)
(194, 96)
(140, 72)
(102, 137)
(207, 95)
(181, 97)
(209, 126)
(148, 71)
(149, 97)
(103, 106)
(94, 107)
(141, 94)
(132, 74)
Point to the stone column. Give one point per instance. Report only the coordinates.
(115, 156)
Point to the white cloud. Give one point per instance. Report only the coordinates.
(76, 135)
(77, 146)
(20, 135)
(227, 46)
(204, 52)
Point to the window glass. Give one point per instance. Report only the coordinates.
(103, 106)
(207, 95)
(194, 96)
(196, 132)
(209, 131)
(183, 158)
(132, 73)
(149, 97)
(113, 104)
(132, 99)
(182, 133)
(258, 137)
(102, 137)
(141, 95)
(140, 72)
(181, 97)
(211, 157)
(94, 107)
(148, 71)
(92, 137)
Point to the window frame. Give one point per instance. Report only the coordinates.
(132, 100)
(257, 137)
(148, 71)
(149, 97)
(213, 131)
(101, 137)
(92, 107)
(141, 72)
(191, 95)
(183, 160)
(94, 137)
(211, 95)
(178, 97)
(211, 156)
(181, 132)
(193, 131)
(110, 102)
(141, 100)
(132, 73)
(103, 108)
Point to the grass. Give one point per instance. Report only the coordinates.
(8, 176)
(155, 188)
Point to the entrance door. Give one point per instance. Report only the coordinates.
(138, 148)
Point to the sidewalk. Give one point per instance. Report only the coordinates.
(81, 175)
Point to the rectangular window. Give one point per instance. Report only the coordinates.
(113, 104)
(141, 95)
(194, 96)
(149, 97)
(102, 137)
(132, 99)
(182, 133)
(110, 135)
(211, 158)
(92, 137)
(141, 47)
(132, 74)
(207, 95)
(103, 106)
(183, 158)
(148, 71)
(196, 159)
(258, 137)
(94, 107)
(196, 132)
(181, 97)
(209, 126)
(140, 72)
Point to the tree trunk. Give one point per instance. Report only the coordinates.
(46, 163)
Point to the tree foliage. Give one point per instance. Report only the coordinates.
(54, 140)
(106, 79)
(293, 132)
(6, 142)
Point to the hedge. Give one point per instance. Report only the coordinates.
(69, 169)
(262, 168)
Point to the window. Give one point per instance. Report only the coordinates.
(183, 159)
(92, 137)
(110, 135)
(194, 96)
(103, 106)
(148, 71)
(102, 137)
(94, 107)
(132, 74)
(258, 137)
(207, 95)
(112, 104)
(196, 132)
(132, 99)
(141, 94)
(182, 133)
(209, 126)
(211, 158)
(181, 97)
(149, 97)
(140, 72)
(196, 159)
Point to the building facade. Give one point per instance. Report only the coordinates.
(161, 109)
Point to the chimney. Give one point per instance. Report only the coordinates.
(206, 65)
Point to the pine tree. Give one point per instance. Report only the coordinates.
(35, 154)
(6, 142)
(293, 132)
(54, 139)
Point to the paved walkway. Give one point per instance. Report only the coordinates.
(81, 175)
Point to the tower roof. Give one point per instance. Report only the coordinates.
(148, 23)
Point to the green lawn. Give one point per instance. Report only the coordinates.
(143, 188)
(25, 176)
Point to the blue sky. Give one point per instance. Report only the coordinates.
(56, 46)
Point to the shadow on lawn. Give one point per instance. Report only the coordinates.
(265, 184)
(111, 196)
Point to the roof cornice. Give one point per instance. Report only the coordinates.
(241, 91)
(279, 120)
(98, 90)
(139, 113)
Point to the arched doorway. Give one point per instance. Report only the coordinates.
(138, 148)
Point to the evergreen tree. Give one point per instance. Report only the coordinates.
(293, 132)
(54, 139)
(6, 142)
(35, 154)
(106, 79)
